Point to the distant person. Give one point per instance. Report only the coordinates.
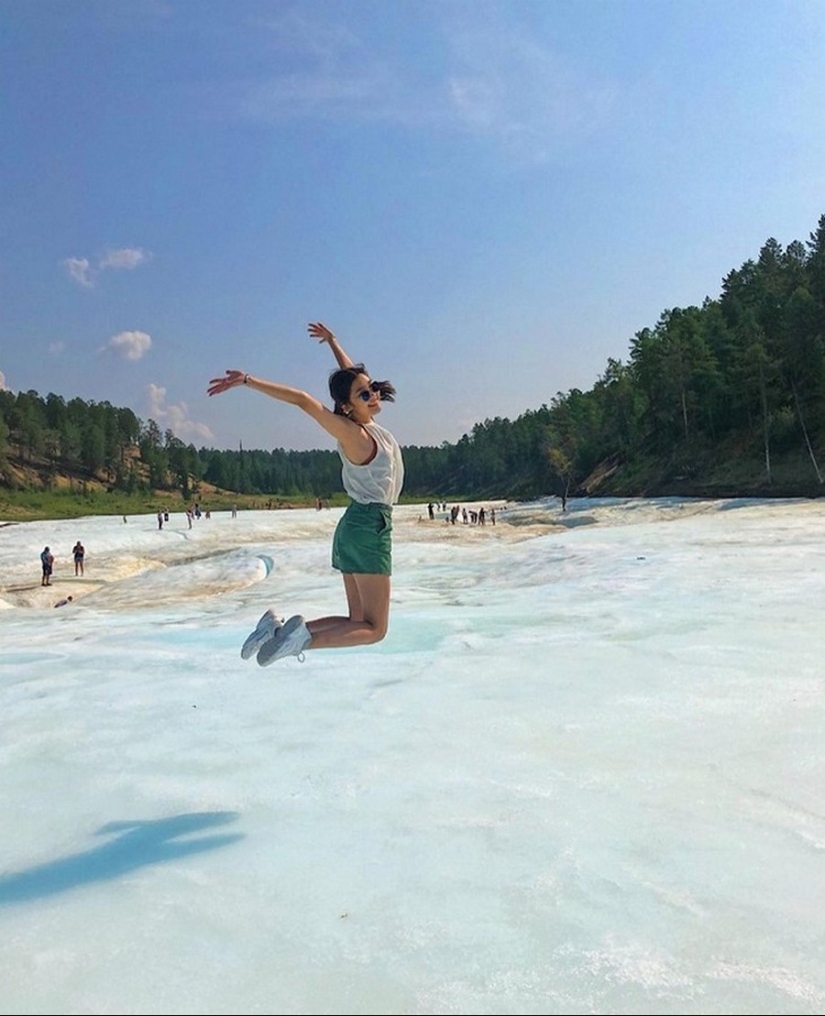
(160, 520)
(62, 603)
(79, 554)
(47, 562)
(373, 473)
(492, 516)
(431, 510)
(234, 511)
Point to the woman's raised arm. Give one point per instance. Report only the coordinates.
(323, 334)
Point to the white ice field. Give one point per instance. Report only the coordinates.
(584, 773)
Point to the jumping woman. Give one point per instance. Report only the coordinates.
(373, 473)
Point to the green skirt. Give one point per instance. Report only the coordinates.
(362, 544)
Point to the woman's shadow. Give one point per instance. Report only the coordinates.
(137, 844)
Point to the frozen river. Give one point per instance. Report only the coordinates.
(584, 773)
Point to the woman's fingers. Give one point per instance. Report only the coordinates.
(319, 331)
(222, 384)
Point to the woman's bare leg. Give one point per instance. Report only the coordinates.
(368, 598)
(353, 603)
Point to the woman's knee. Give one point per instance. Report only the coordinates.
(378, 630)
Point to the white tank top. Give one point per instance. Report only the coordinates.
(379, 480)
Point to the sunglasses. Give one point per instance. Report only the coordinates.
(366, 394)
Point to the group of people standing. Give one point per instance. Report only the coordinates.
(47, 562)
(192, 512)
(472, 516)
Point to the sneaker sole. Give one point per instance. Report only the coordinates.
(264, 631)
(268, 652)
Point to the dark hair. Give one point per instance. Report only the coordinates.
(340, 386)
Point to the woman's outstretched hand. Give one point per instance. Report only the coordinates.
(232, 379)
(320, 332)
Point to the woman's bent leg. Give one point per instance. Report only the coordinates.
(368, 598)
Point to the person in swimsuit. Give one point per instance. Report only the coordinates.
(79, 553)
(373, 473)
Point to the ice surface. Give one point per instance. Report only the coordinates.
(584, 773)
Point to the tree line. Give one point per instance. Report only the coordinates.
(743, 371)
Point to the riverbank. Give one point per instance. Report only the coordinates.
(41, 505)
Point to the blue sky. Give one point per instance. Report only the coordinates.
(484, 200)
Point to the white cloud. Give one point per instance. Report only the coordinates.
(3, 386)
(175, 417)
(80, 270)
(293, 32)
(125, 257)
(129, 345)
(505, 82)
(494, 79)
(85, 273)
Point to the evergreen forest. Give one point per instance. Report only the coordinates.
(722, 399)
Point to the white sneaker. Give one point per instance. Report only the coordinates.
(289, 640)
(265, 629)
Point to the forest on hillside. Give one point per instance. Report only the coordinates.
(727, 396)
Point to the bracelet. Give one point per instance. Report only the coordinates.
(246, 379)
